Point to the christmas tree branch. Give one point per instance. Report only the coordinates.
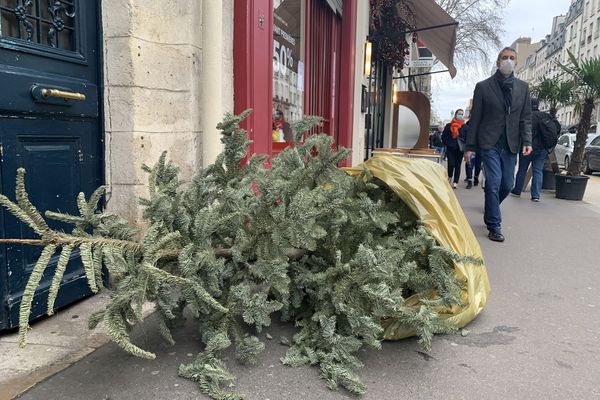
(335, 254)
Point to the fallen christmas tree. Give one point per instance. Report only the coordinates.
(304, 240)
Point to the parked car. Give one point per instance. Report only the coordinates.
(564, 147)
(591, 156)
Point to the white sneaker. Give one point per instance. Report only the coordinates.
(454, 185)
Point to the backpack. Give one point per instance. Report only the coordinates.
(437, 140)
(462, 137)
(549, 130)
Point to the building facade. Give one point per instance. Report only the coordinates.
(577, 32)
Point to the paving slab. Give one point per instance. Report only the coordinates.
(52, 344)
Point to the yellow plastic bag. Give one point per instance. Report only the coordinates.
(423, 186)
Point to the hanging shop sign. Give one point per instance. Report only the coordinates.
(421, 56)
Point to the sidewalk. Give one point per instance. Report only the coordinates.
(52, 345)
(538, 338)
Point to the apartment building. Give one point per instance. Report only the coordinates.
(577, 32)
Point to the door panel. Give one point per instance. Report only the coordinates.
(28, 98)
(323, 65)
(50, 125)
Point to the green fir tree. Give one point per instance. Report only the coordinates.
(242, 244)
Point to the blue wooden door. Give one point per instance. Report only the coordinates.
(50, 99)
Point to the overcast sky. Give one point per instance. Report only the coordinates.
(530, 18)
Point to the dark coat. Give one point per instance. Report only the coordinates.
(490, 120)
(536, 138)
(436, 139)
(448, 140)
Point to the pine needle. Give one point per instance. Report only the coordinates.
(87, 258)
(28, 294)
(63, 260)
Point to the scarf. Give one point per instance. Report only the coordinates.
(455, 125)
(506, 84)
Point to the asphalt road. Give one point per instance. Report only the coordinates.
(538, 338)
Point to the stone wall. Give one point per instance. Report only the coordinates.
(154, 80)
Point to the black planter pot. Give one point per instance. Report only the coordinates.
(548, 181)
(570, 187)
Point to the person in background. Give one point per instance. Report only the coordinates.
(453, 152)
(437, 142)
(500, 127)
(536, 158)
(474, 162)
(473, 170)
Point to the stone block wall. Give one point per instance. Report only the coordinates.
(155, 88)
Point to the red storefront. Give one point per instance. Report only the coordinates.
(294, 58)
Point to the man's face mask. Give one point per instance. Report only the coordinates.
(506, 67)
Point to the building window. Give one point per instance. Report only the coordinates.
(571, 33)
(324, 62)
(587, 10)
(288, 66)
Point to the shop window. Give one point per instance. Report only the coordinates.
(288, 67)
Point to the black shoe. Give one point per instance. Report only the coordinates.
(466, 180)
(475, 182)
(469, 185)
(515, 194)
(496, 236)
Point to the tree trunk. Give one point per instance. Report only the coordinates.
(581, 138)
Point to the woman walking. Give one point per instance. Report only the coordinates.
(453, 153)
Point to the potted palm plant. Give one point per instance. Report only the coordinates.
(553, 94)
(586, 78)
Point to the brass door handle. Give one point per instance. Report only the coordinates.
(62, 94)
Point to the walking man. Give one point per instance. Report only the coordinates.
(539, 153)
(500, 125)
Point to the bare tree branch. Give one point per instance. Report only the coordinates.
(479, 29)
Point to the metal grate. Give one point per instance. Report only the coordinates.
(47, 22)
(375, 106)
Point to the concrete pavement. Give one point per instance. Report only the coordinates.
(538, 338)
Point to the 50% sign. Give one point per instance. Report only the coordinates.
(282, 58)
